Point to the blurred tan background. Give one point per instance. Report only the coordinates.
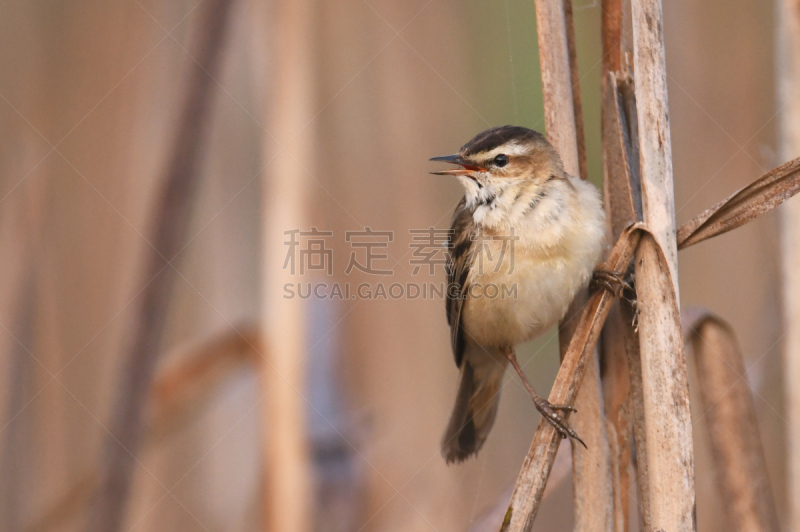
(90, 94)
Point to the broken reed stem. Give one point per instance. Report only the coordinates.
(539, 461)
(668, 458)
(167, 234)
(740, 467)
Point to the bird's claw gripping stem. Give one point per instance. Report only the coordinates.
(610, 280)
(550, 412)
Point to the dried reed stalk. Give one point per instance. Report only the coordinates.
(620, 346)
(620, 206)
(622, 184)
(178, 393)
(643, 386)
(667, 441)
(575, 85)
(287, 497)
(636, 402)
(624, 403)
(539, 461)
(740, 467)
(591, 470)
(167, 234)
(611, 29)
(667, 459)
(747, 204)
(788, 53)
(623, 207)
(564, 126)
(658, 387)
(591, 465)
(557, 86)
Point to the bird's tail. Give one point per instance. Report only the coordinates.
(476, 403)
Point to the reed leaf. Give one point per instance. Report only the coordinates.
(752, 201)
(738, 456)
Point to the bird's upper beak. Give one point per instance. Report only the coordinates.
(467, 169)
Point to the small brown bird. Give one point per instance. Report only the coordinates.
(526, 227)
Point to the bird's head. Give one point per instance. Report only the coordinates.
(503, 157)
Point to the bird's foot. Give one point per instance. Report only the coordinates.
(563, 408)
(550, 412)
(610, 280)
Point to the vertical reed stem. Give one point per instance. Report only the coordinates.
(668, 428)
(287, 494)
(564, 124)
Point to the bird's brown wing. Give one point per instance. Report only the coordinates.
(460, 247)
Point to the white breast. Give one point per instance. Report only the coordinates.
(560, 242)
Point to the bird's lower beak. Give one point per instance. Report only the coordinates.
(466, 169)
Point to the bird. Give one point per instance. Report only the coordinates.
(532, 232)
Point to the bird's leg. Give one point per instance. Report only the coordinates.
(610, 280)
(545, 407)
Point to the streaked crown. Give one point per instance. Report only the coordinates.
(505, 152)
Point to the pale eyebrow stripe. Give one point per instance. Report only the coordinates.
(513, 148)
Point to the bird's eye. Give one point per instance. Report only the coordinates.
(501, 160)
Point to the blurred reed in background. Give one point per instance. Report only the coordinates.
(91, 95)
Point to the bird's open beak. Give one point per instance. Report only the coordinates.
(466, 169)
